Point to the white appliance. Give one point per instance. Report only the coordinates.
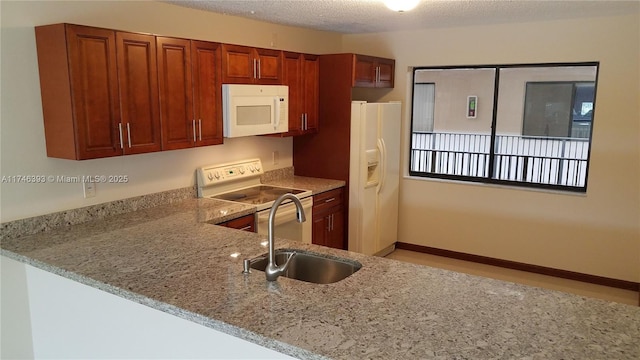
(374, 177)
(240, 182)
(254, 109)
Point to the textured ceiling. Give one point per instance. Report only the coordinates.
(365, 16)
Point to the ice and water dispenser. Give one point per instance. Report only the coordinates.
(373, 161)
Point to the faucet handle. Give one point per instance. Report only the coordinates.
(246, 266)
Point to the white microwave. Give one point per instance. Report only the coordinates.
(254, 109)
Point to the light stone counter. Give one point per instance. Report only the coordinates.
(316, 185)
(169, 258)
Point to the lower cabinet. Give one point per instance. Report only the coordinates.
(328, 219)
(245, 223)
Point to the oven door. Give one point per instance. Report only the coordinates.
(286, 225)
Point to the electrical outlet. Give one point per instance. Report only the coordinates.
(276, 157)
(89, 189)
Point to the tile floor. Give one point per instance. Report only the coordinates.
(516, 276)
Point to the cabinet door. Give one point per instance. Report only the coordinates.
(206, 92)
(371, 71)
(320, 228)
(364, 72)
(386, 72)
(138, 84)
(269, 66)
(335, 236)
(292, 77)
(238, 64)
(94, 87)
(311, 73)
(176, 93)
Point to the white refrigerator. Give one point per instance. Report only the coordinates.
(374, 177)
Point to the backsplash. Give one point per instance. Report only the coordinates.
(38, 224)
(59, 219)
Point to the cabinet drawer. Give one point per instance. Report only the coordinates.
(328, 199)
(246, 223)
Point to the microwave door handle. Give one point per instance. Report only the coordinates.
(276, 105)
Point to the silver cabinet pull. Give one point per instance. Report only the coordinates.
(306, 123)
(200, 128)
(329, 200)
(254, 68)
(193, 125)
(120, 131)
(129, 135)
(259, 74)
(302, 121)
(246, 228)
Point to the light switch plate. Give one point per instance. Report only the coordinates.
(89, 189)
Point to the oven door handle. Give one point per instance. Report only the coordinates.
(285, 213)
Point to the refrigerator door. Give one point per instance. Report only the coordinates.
(357, 180)
(374, 177)
(370, 155)
(389, 183)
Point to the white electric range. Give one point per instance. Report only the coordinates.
(240, 182)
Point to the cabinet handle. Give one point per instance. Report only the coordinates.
(377, 73)
(200, 128)
(120, 131)
(332, 222)
(259, 73)
(254, 68)
(329, 200)
(302, 121)
(246, 228)
(328, 223)
(193, 125)
(129, 135)
(306, 123)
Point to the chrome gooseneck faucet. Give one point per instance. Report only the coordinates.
(273, 271)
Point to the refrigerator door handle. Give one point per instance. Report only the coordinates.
(382, 148)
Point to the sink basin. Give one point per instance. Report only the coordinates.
(310, 267)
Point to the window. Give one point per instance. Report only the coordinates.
(524, 125)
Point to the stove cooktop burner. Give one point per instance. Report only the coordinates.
(256, 195)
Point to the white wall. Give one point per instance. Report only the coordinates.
(597, 233)
(22, 143)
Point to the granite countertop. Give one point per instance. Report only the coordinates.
(169, 258)
(307, 183)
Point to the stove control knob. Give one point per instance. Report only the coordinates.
(252, 168)
(217, 174)
(241, 169)
(257, 167)
(210, 176)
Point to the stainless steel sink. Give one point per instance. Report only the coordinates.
(310, 267)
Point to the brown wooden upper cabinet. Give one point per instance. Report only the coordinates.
(369, 71)
(301, 74)
(190, 98)
(109, 93)
(247, 65)
(99, 91)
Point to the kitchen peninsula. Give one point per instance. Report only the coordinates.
(172, 257)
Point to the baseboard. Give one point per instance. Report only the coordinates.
(565, 274)
(386, 251)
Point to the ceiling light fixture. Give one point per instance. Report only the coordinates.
(401, 5)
